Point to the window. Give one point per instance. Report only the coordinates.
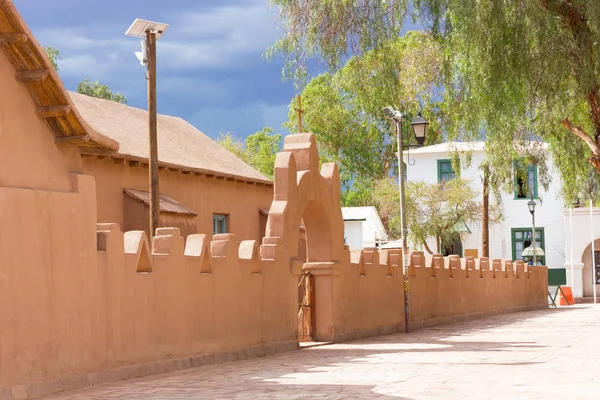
(445, 171)
(521, 239)
(525, 181)
(220, 223)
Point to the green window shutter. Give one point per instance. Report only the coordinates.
(521, 236)
(445, 171)
(526, 180)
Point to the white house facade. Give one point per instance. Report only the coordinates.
(507, 239)
(363, 227)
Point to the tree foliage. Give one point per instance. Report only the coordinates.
(432, 210)
(514, 71)
(54, 56)
(330, 30)
(96, 89)
(344, 109)
(258, 150)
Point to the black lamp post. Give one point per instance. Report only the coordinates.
(419, 125)
(531, 205)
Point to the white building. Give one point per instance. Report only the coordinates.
(579, 232)
(362, 227)
(508, 238)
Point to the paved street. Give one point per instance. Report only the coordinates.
(535, 355)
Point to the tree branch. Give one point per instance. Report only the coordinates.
(579, 132)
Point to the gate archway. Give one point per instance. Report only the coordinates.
(309, 197)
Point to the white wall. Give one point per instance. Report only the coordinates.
(362, 227)
(548, 212)
(353, 234)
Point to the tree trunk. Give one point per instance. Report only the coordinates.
(427, 247)
(438, 242)
(485, 215)
(573, 16)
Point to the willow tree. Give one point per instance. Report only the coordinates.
(344, 108)
(517, 70)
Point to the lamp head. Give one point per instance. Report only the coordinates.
(531, 205)
(419, 125)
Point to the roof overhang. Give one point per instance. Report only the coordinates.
(115, 155)
(34, 69)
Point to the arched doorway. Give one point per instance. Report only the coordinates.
(314, 245)
(590, 278)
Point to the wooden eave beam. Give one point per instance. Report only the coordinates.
(72, 138)
(10, 38)
(53, 111)
(32, 76)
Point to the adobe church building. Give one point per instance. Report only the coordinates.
(201, 183)
(87, 297)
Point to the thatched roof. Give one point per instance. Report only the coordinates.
(180, 145)
(167, 204)
(33, 69)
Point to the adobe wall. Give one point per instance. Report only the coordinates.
(22, 133)
(201, 194)
(52, 291)
(446, 289)
(372, 297)
(82, 303)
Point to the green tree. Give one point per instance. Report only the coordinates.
(432, 210)
(54, 56)
(258, 150)
(96, 89)
(234, 145)
(344, 109)
(262, 148)
(519, 71)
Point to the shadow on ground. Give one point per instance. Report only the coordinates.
(303, 374)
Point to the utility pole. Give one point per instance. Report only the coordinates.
(153, 134)
(300, 112)
(150, 32)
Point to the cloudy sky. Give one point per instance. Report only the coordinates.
(210, 66)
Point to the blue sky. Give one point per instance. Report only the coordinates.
(210, 66)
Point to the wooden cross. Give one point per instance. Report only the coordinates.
(300, 112)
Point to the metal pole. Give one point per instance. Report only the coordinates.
(571, 245)
(153, 134)
(403, 224)
(533, 237)
(593, 249)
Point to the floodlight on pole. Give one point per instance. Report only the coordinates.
(150, 32)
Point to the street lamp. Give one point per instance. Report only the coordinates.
(150, 32)
(531, 205)
(419, 125)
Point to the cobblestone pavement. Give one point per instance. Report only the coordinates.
(545, 354)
